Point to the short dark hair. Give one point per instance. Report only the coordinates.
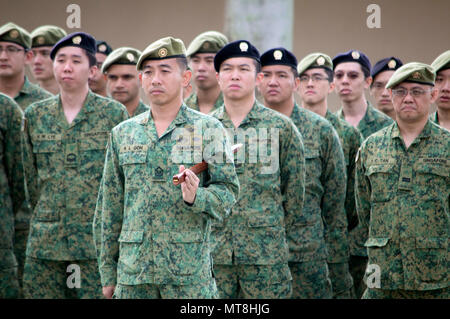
(182, 63)
(294, 72)
(91, 58)
(365, 71)
(257, 66)
(330, 74)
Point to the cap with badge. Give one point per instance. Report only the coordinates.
(124, 55)
(387, 64)
(46, 35)
(103, 47)
(413, 72)
(442, 62)
(315, 60)
(164, 48)
(207, 42)
(352, 56)
(11, 32)
(77, 39)
(278, 56)
(236, 49)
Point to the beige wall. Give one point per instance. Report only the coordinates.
(410, 29)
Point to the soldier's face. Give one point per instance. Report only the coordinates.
(411, 109)
(237, 78)
(163, 81)
(71, 68)
(42, 64)
(379, 92)
(97, 81)
(350, 82)
(203, 72)
(278, 84)
(312, 91)
(442, 84)
(13, 63)
(122, 82)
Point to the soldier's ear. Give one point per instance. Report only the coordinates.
(434, 95)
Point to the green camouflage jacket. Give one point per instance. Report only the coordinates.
(372, 121)
(63, 166)
(402, 199)
(31, 93)
(141, 108)
(192, 102)
(12, 192)
(351, 140)
(271, 170)
(147, 233)
(324, 224)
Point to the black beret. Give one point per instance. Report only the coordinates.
(387, 64)
(352, 56)
(279, 56)
(235, 49)
(78, 39)
(103, 47)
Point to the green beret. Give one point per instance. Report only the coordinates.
(11, 32)
(207, 42)
(315, 60)
(124, 55)
(442, 62)
(46, 35)
(164, 48)
(413, 72)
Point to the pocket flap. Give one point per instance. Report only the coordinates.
(376, 242)
(264, 220)
(436, 242)
(435, 169)
(186, 237)
(129, 158)
(131, 236)
(379, 168)
(47, 147)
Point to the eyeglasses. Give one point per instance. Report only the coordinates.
(314, 78)
(416, 92)
(10, 50)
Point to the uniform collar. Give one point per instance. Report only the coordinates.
(426, 132)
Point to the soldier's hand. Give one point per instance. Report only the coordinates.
(190, 185)
(108, 291)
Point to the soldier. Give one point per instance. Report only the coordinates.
(42, 41)
(122, 82)
(64, 145)
(351, 77)
(323, 227)
(97, 82)
(201, 52)
(15, 43)
(403, 194)
(154, 236)
(316, 82)
(442, 67)
(250, 248)
(381, 73)
(11, 192)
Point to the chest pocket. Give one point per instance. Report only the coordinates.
(47, 154)
(382, 177)
(97, 142)
(134, 166)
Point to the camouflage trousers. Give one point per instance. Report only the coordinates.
(253, 281)
(311, 280)
(341, 280)
(9, 284)
(20, 245)
(50, 279)
(374, 293)
(207, 290)
(358, 265)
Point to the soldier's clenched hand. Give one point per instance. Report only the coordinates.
(190, 185)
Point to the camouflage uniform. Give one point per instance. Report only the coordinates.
(372, 122)
(351, 140)
(148, 235)
(141, 108)
(250, 248)
(12, 193)
(63, 164)
(323, 235)
(403, 200)
(29, 94)
(192, 102)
